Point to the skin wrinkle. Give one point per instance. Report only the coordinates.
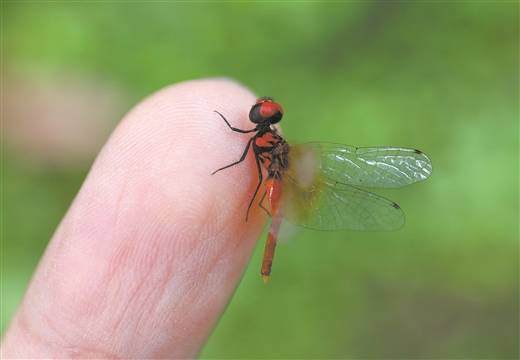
(196, 235)
(192, 290)
(61, 339)
(197, 255)
(147, 313)
(60, 344)
(150, 260)
(195, 292)
(27, 330)
(131, 298)
(52, 329)
(121, 252)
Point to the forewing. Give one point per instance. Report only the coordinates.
(378, 167)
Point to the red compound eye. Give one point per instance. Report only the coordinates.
(269, 109)
(266, 111)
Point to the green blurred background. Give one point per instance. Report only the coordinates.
(442, 77)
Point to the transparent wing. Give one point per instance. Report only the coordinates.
(378, 167)
(323, 205)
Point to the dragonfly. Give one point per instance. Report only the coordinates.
(323, 186)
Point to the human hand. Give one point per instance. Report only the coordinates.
(152, 248)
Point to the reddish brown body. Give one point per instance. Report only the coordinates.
(271, 152)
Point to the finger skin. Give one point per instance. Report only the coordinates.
(153, 246)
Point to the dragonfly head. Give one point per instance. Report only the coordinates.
(266, 111)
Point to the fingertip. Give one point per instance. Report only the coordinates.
(179, 127)
(153, 244)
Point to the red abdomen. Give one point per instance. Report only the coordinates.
(273, 187)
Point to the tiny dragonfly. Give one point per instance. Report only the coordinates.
(320, 185)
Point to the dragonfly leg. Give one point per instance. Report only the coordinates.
(242, 158)
(262, 203)
(234, 128)
(260, 179)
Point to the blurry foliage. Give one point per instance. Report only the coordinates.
(439, 77)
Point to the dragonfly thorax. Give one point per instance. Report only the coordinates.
(279, 160)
